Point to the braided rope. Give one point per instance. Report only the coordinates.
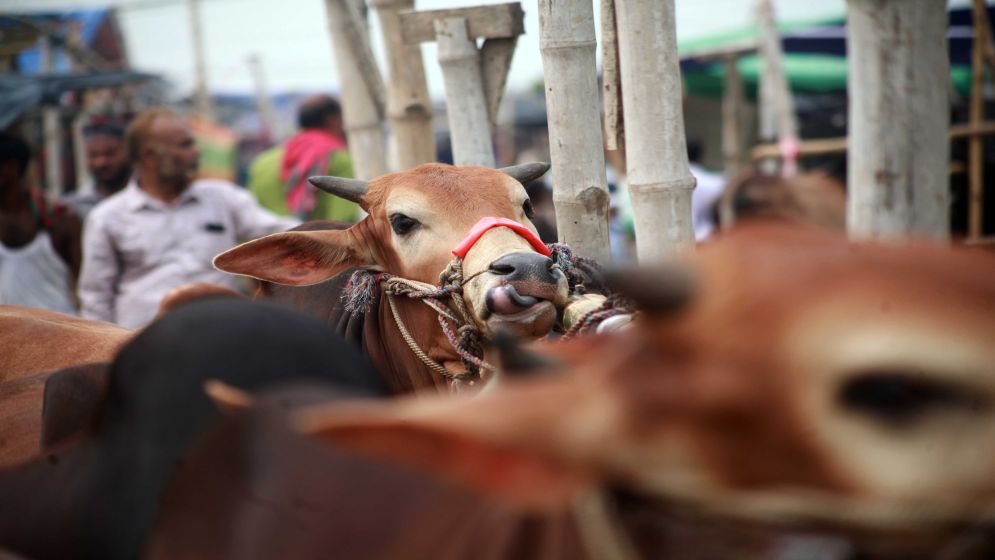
(455, 319)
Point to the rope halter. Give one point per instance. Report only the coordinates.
(446, 299)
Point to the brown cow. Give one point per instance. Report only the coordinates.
(809, 384)
(813, 198)
(416, 219)
(35, 340)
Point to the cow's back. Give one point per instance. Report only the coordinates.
(35, 340)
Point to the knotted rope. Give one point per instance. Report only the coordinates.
(455, 320)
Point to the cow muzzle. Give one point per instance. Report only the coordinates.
(523, 300)
(514, 289)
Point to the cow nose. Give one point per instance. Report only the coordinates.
(525, 266)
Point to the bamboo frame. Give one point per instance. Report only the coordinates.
(660, 180)
(825, 146)
(982, 56)
(580, 189)
(362, 109)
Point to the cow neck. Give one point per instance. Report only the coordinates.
(398, 365)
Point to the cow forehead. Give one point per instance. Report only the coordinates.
(449, 190)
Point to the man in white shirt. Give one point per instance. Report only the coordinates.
(707, 191)
(164, 228)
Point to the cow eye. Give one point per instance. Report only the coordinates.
(899, 398)
(403, 224)
(530, 211)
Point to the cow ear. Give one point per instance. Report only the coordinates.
(294, 258)
(500, 471)
(228, 399)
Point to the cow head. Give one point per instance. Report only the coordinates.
(415, 219)
(807, 380)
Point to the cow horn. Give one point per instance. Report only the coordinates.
(349, 189)
(526, 172)
(657, 290)
(516, 361)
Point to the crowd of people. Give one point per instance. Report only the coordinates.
(150, 223)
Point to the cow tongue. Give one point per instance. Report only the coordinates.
(505, 300)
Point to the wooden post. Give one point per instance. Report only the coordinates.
(777, 107)
(611, 80)
(83, 183)
(576, 146)
(51, 130)
(474, 77)
(660, 181)
(362, 112)
(981, 54)
(267, 114)
(898, 119)
(466, 105)
(409, 108)
(202, 98)
(732, 108)
(732, 101)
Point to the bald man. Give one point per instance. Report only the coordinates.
(278, 176)
(164, 228)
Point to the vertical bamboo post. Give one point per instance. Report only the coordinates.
(732, 103)
(202, 98)
(580, 190)
(777, 107)
(409, 108)
(899, 119)
(466, 104)
(611, 80)
(975, 144)
(660, 181)
(51, 130)
(362, 115)
(83, 184)
(732, 135)
(264, 105)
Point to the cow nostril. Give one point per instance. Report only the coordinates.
(500, 268)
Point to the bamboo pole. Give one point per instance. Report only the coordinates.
(660, 181)
(466, 104)
(362, 116)
(777, 107)
(51, 130)
(611, 80)
(976, 177)
(732, 108)
(899, 119)
(83, 184)
(267, 114)
(202, 98)
(580, 190)
(409, 108)
(824, 146)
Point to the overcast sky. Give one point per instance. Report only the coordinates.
(291, 39)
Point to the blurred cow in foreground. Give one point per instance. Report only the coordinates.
(808, 387)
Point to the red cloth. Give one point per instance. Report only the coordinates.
(487, 223)
(306, 155)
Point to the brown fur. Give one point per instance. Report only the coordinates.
(719, 405)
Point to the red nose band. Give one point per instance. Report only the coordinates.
(487, 223)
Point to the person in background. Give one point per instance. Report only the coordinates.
(164, 228)
(107, 160)
(278, 176)
(39, 241)
(705, 195)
